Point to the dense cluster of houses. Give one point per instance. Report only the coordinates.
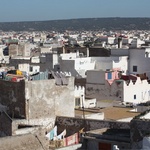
(44, 73)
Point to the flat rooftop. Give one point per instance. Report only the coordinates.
(120, 135)
(116, 113)
(110, 113)
(107, 131)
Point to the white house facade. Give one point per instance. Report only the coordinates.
(77, 66)
(110, 63)
(139, 61)
(81, 101)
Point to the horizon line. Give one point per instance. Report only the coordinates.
(75, 19)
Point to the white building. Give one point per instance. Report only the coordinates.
(138, 92)
(28, 47)
(35, 59)
(3, 59)
(81, 101)
(46, 49)
(111, 40)
(136, 43)
(139, 60)
(29, 69)
(74, 36)
(110, 63)
(76, 65)
(99, 86)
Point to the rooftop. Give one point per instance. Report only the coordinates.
(110, 113)
(116, 113)
(107, 131)
(120, 135)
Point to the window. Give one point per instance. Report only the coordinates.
(31, 68)
(134, 68)
(77, 102)
(134, 96)
(91, 103)
(109, 75)
(146, 54)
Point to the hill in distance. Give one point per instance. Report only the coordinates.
(79, 24)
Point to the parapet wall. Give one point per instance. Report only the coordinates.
(139, 130)
(75, 124)
(45, 99)
(12, 95)
(28, 142)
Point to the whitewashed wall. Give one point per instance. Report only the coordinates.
(139, 59)
(77, 67)
(80, 93)
(136, 93)
(68, 56)
(121, 63)
(111, 62)
(24, 67)
(35, 59)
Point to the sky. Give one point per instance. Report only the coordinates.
(41, 10)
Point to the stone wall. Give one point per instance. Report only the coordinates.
(139, 130)
(13, 50)
(15, 62)
(75, 124)
(44, 99)
(28, 142)
(105, 91)
(35, 103)
(95, 52)
(12, 95)
(5, 125)
(37, 99)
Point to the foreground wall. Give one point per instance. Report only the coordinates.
(37, 99)
(12, 95)
(75, 124)
(5, 125)
(28, 142)
(44, 99)
(139, 131)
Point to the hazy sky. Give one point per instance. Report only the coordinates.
(34, 10)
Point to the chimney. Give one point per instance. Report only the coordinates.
(119, 42)
(87, 51)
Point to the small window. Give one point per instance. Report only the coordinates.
(146, 54)
(68, 51)
(109, 75)
(77, 102)
(91, 103)
(134, 96)
(31, 68)
(134, 68)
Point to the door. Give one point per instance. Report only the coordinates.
(104, 146)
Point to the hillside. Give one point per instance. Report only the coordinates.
(79, 24)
